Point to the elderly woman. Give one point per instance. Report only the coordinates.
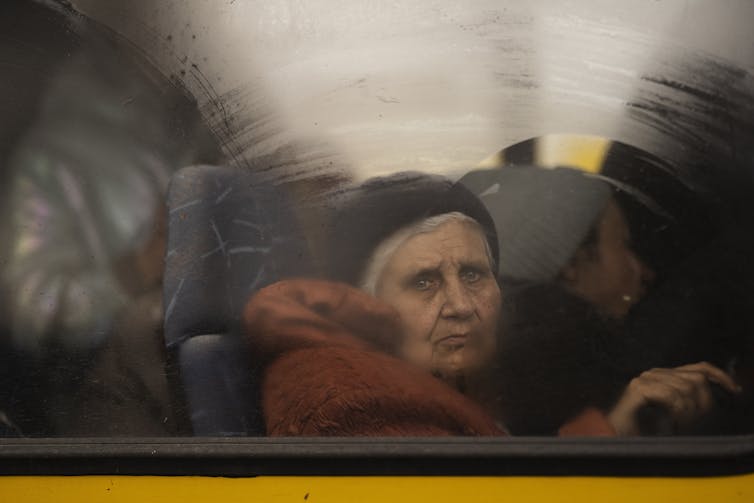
(339, 361)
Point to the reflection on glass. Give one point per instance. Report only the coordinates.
(334, 259)
(85, 184)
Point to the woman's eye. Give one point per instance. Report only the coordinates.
(423, 284)
(471, 276)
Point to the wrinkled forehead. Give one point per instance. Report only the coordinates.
(457, 242)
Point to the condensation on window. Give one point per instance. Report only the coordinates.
(335, 218)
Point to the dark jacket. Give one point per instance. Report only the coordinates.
(557, 356)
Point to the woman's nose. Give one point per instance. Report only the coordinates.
(457, 302)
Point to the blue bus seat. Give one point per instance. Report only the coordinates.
(229, 234)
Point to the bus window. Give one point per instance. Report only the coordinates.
(508, 223)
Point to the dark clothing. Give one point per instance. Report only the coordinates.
(559, 354)
(366, 215)
(702, 311)
(556, 356)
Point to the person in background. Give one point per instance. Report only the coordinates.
(86, 237)
(572, 279)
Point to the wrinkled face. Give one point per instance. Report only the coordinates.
(612, 277)
(441, 284)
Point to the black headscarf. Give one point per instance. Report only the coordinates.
(364, 216)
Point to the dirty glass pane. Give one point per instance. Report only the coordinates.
(287, 218)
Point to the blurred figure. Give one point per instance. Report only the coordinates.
(86, 197)
(87, 221)
(25, 77)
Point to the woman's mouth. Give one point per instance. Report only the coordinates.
(452, 342)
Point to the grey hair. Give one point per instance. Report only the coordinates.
(388, 246)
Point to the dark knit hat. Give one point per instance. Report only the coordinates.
(541, 215)
(366, 215)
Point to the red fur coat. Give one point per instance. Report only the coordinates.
(329, 370)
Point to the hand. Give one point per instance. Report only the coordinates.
(682, 394)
